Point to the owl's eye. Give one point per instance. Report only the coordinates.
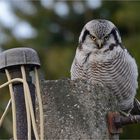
(106, 37)
(93, 37)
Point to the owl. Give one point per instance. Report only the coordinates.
(101, 58)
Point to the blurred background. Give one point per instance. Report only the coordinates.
(52, 28)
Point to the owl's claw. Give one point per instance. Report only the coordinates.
(125, 114)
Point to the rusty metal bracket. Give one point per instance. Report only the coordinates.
(117, 121)
(112, 118)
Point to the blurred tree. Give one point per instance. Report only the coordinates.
(57, 26)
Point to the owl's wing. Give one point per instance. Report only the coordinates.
(124, 74)
(136, 108)
(76, 70)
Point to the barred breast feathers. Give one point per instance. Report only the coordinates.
(116, 68)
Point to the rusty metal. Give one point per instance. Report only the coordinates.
(112, 117)
(120, 121)
(116, 121)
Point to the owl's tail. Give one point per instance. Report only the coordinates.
(136, 108)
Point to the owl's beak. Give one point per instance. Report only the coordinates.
(100, 43)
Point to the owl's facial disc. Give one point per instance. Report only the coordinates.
(100, 34)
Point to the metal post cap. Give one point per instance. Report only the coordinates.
(19, 56)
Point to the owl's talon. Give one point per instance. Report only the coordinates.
(125, 114)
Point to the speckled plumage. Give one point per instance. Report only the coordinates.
(101, 58)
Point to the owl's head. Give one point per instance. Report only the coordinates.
(100, 34)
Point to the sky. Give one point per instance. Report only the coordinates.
(22, 29)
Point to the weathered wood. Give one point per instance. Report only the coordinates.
(76, 109)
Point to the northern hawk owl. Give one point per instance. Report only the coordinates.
(101, 58)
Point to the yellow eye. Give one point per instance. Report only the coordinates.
(106, 37)
(93, 37)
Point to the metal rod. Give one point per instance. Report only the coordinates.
(121, 121)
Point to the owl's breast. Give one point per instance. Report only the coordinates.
(120, 74)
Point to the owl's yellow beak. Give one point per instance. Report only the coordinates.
(100, 43)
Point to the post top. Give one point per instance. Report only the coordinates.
(19, 56)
